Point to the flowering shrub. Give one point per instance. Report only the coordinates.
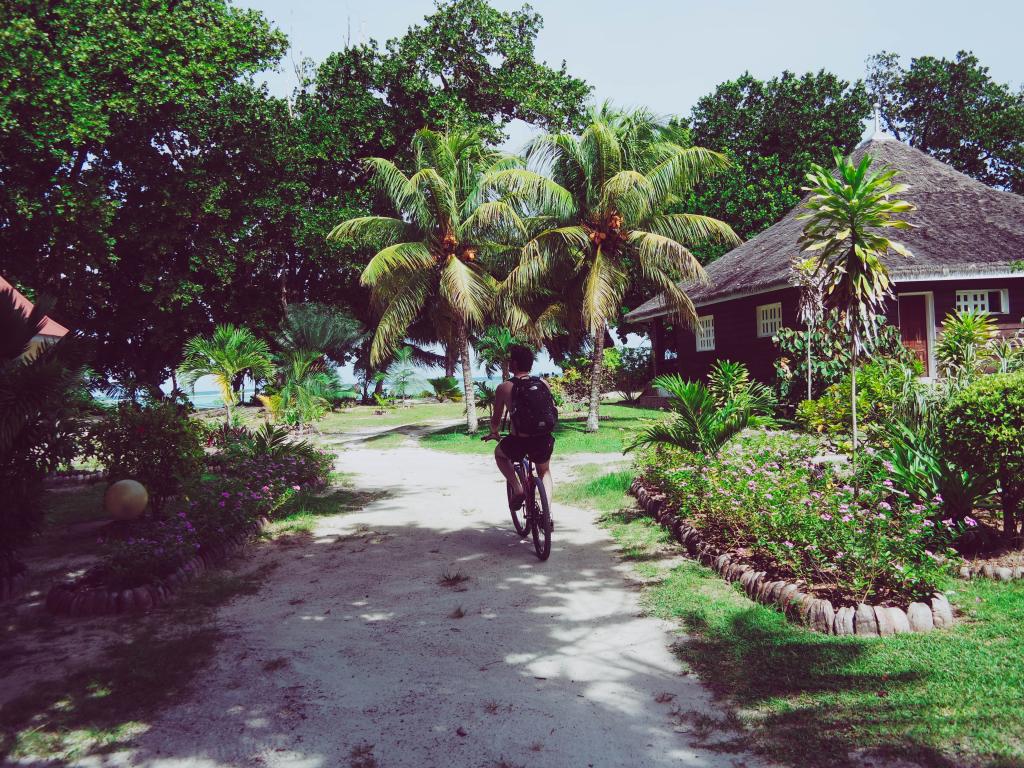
(217, 507)
(766, 497)
(158, 445)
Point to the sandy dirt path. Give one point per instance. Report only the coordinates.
(353, 654)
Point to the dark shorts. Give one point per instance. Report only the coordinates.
(537, 447)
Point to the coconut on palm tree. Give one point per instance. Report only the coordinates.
(599, 200)
(847, 214)
(435, 254)
(230, 352)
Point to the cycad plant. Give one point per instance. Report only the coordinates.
(446, 388)
(846, 216)
(229, 353)
(434, 253)
(730, 382)
(598, 201)
(697, 423)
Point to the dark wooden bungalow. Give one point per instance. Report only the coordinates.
(965, 241)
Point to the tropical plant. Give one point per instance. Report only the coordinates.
(38, 418)
(913, 458)
(400, 373)
(493, 348)
(730, 382)
(445, 388)
(317, 326)
(435, 254)
(231, 352)
(307, 388)
(697, 423)
(846, 214)
(599, 200)
(485, 395)
(964, 348)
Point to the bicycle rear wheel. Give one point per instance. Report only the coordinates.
(540, 523)
(520, 519)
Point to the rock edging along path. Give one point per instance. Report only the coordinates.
(863, 620)
(990, 571)
(81, 598)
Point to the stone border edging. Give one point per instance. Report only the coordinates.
(815, 614)
(66, 599)
(989, 571)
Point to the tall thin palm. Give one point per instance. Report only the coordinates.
(230, 352)
(433, 256)
(600, 199)
(847, 212)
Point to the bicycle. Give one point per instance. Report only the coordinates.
(536, 512)
(535, 509)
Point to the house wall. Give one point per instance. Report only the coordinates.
(735, 323)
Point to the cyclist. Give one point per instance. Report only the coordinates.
(532, 414)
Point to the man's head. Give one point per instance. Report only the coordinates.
(520, 358)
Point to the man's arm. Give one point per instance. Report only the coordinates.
(500, 403)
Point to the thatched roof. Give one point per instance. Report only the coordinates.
(960, 226)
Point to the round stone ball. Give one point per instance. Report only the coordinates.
(125, 500)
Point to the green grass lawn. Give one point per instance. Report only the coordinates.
(618, 423)
(950, 698)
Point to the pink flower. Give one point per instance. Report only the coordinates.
(970, 521)
(296, 488)
(847, 518)
(826, 517)
(788, 544)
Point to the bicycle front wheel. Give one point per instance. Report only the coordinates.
(541, 520)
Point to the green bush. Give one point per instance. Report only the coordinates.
(886, 389)
(764, 494)
(158, 445)
(982, 431)
(633, 371)
(830, 356)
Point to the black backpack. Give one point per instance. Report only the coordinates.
(532, 408)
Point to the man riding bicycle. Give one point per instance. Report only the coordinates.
(532, 414)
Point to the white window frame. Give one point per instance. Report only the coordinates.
(969, 303)
(704, 333)
(769, 326)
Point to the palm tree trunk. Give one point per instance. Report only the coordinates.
(596, 369)
(467, 382)
(504, 369)
(809, 397)
(853, 408)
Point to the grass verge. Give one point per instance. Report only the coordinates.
(618, 423)
(945, 699)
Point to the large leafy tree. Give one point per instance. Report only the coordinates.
(433, 263)
(772, 130)
(600, 197)
(128, 159)
(847, 215)
(954, 110)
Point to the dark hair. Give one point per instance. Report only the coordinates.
(520, 358)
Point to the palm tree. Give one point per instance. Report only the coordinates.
(437, 248)
(231, 351)
(493, 349)
(698, 422)
(845, 214)
(599, 199)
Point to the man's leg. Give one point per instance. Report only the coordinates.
(507, 468)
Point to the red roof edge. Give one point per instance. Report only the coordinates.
(50, 327)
